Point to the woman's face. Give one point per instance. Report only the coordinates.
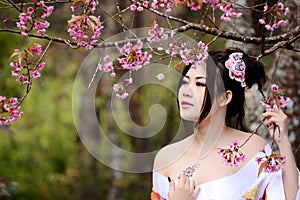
(191, 93)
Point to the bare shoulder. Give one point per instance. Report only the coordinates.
(254, 144)
(169, 154)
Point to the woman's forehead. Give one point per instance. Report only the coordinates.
(199, 71)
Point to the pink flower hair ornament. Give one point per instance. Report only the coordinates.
(236, 67)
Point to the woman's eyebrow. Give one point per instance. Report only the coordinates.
(198, 77)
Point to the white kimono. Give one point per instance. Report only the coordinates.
(242, 185)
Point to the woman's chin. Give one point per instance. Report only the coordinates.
(189, 118)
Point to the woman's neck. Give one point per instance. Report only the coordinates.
(208, 133)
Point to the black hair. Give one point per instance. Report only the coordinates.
(254, 74)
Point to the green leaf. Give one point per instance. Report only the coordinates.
(14, 54)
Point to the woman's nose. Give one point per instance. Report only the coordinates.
(187, 91)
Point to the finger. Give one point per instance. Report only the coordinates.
(182, 181)
(275, 108)
(172, 184)
(192, 185)
(196, 191)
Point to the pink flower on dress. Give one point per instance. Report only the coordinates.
(232, 154)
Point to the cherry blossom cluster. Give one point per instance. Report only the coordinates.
(9, 110)
(269, 163)
(278, 98)
(158, 34)
(188, 53)
(232, 154)
(84, 28)
(34, 17)
(166, 4)
(274, 16)
(120, 89)
(107, 66)
(133, 57)
(227, 7)
(195, 56)
(229, 11)
(139, 6)
(23, 67)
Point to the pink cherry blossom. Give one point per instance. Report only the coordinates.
(266, 7)
(280, 6)
(133, 7)
(36, 74)
(2, 98)
(14, 73)
(269, 27)
(286, 10)
(11, 112)
(232, 155)
(35, 16)
(157, 35)
(13, 101)
(274, 87)
(134, 58)
(278, 98)
(270, 163)
(41, 66)
(37, 49)
(274, 16)
(166, 4)
(160, 76)
(30, 10)
(262, 21)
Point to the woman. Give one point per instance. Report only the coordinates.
(212, 96)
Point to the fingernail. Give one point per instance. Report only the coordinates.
(169, 179)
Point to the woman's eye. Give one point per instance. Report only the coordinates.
(184, 82)
(200, 84)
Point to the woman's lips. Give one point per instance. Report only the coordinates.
(186, 104)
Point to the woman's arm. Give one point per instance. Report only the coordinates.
(289, 171)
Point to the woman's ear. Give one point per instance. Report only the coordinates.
(225, 98)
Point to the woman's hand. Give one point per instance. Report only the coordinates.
(278, 118)
(186, 189)
(289, 171)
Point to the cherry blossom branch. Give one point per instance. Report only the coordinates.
(293, 35)
(254, 132)
(29, 85)
(45, 37)
(228, 35)
(15, 6)
(287, 44)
